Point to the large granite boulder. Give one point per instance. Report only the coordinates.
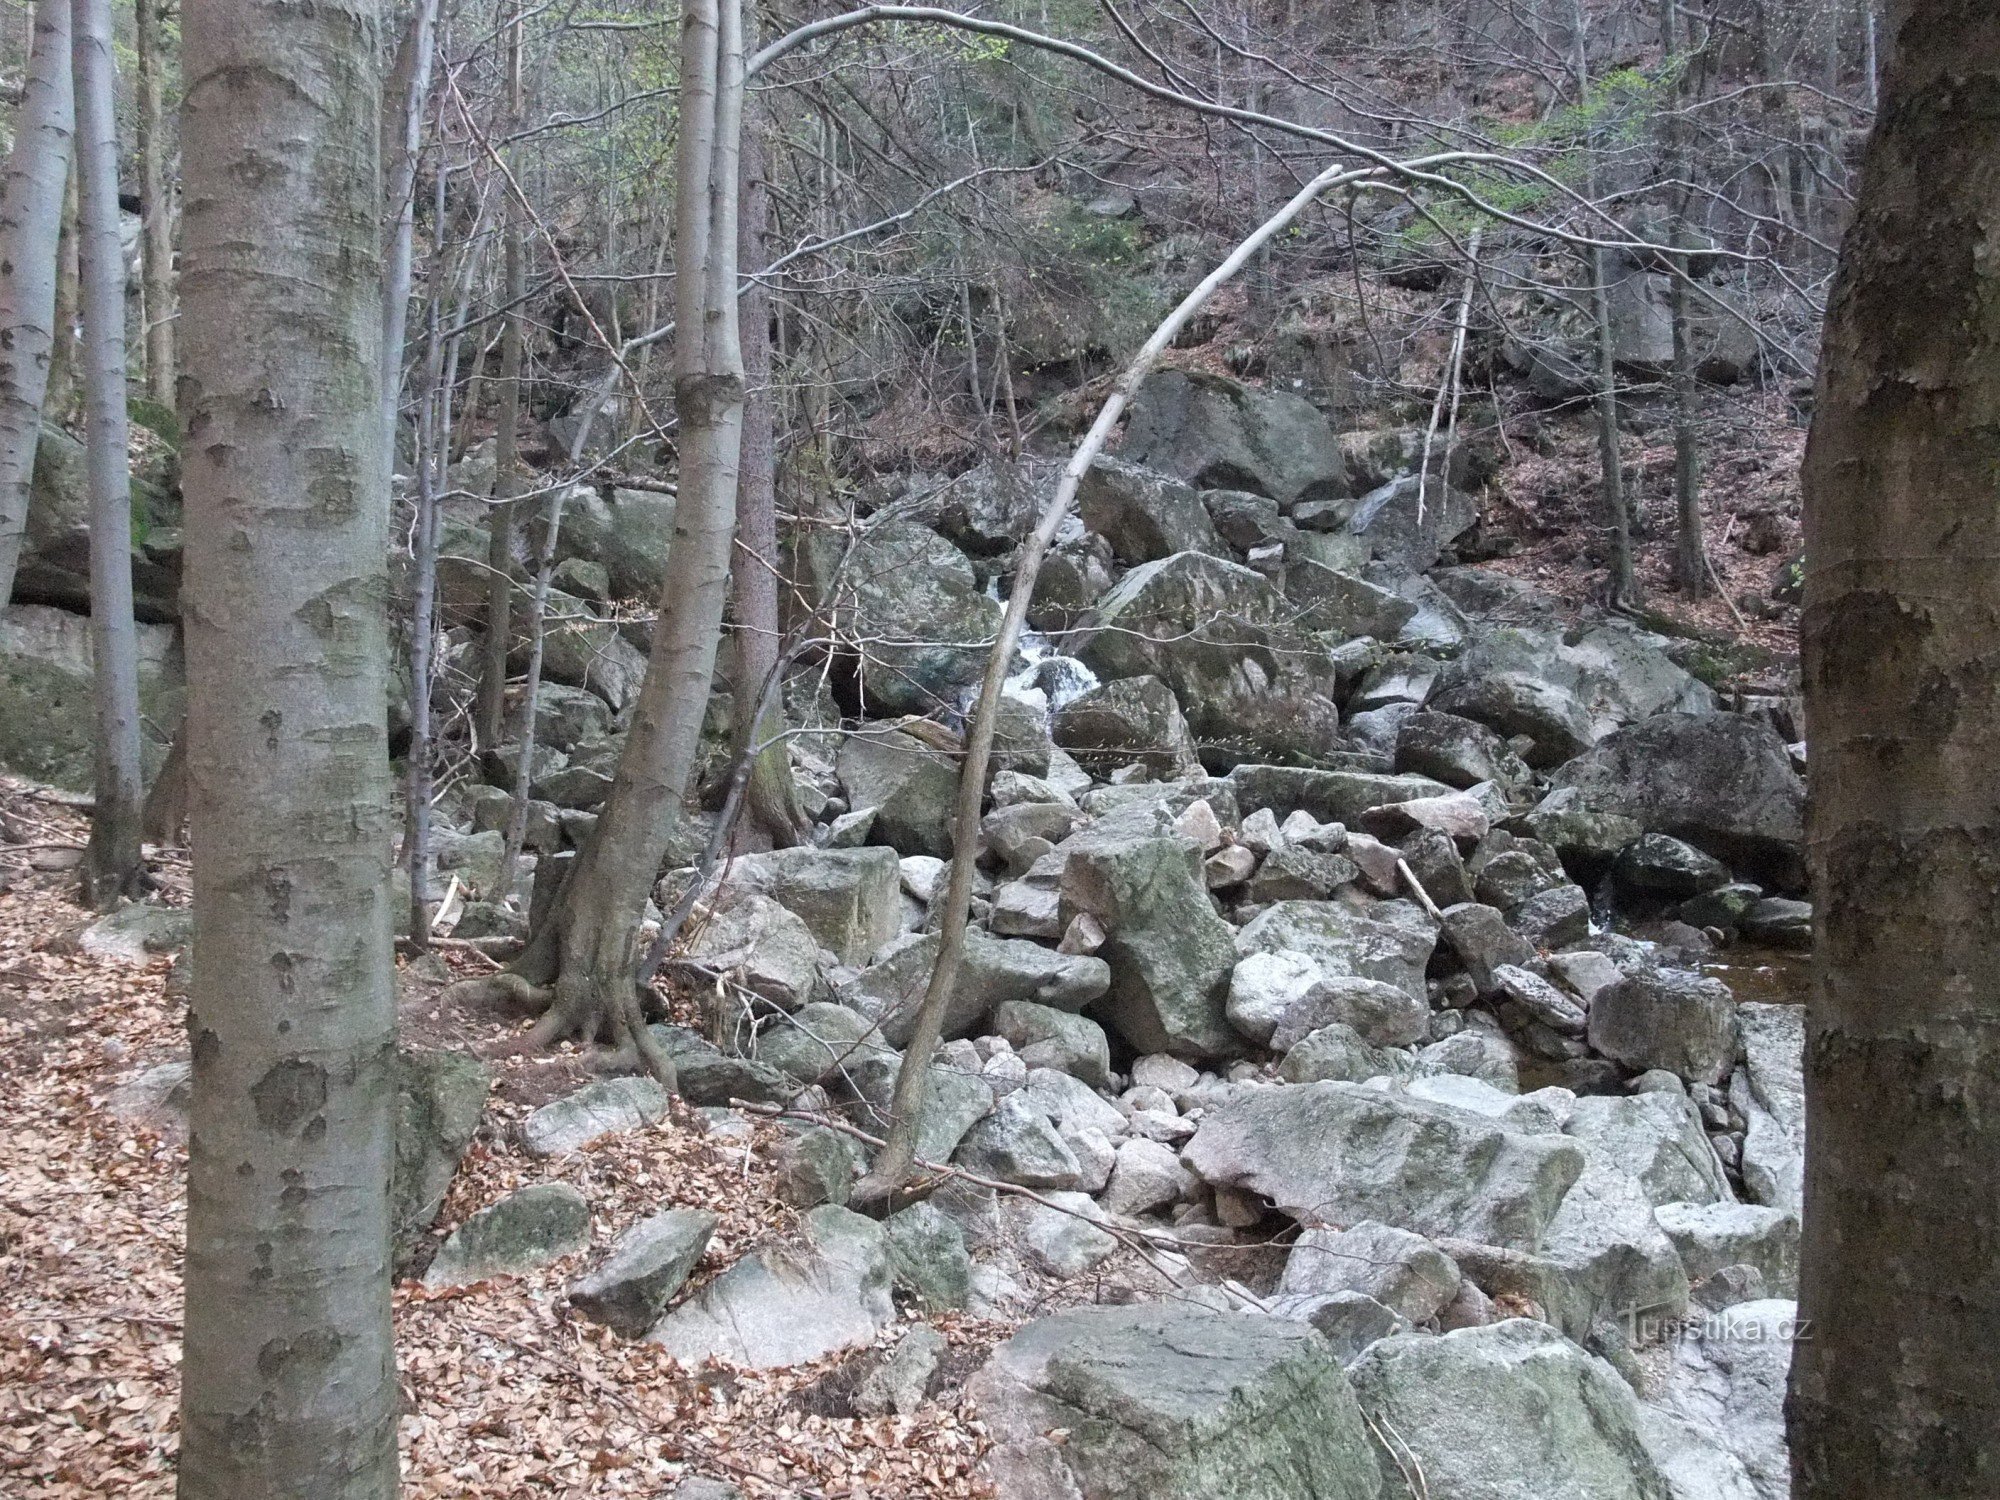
(1341, 943)
(1722, 782)
(628, 533)
(1172, 1402)
(48, 711)
(911, 604)
(1404, 536)
(522, 1232)
(1126, 720)
(790, 1302)
(910, 786)
(1219, 434)
(440, 1097)
(992, 972)
(1341, 1152)
(1768, 1087)
(1143, 515)
(1170, 955)
(851, 899)
(1510, 1411)
(645, 1270)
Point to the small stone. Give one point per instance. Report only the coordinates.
(1083, 937)
(1228, 866)
(897, 1384)
(1146, 1176)
(648, 1265)
(1163, 1072)
(1199, 823)
(521, 1232)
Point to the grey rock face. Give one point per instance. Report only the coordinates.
(849, 898)
(1017, 1143)
(1657, 1138)
(817, 1166)
(1404, 1272)
(1143, 514)
(1342, 1152)
(1172, 1403)
(1131, 719)
(1344, 944)
(611, 1105)
(1170, 955)
(1330, 796)
(1387, 1015)
(48, 731)
(916, 601)
(1666, 1018)
(1337, 1052)
(1456, 751)
(522, 1231)
(762, 946)
(1220, 435)
(628, 534)
(440, 1097)
(1710, 1236)
(1722, 782)
(1729, 1381)
(1345, 607)
(910, 786)
(1769, 1088)
(927, 1253)
(993, 972)
(648, 1265)
(790, 1303)
(1386, 519)
(1048, 1038)
(1252, 685)
(1512, 1411)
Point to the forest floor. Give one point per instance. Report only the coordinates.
(505, 1392)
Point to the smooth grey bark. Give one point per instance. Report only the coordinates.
(1690, 550)
(776, 818)
(288, 1378)
(31, 215)
(490, 723)
(112, 868)
(428, 474)
(156, 205)
(1894, 1387)
(401, 145)
(590, 948)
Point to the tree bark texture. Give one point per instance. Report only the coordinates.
(491, 724)
(288, 1384)
(31, 214)
(111, 864)
(401, 143)
(1895, 1390)
(156, 206)
(594, 943)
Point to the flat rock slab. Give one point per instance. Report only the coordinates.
(1340, 1152)
(522, 1231)
(647, 1266)
(602, 1108)
(1172, 1402)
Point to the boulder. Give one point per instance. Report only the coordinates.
(1667, 1018)
(1565, 694)
(1171, 1402)
(991, 972)
(1219, 434)
(824, 1040)
(646, 1268)
(850, 898)
(987, 510)
(1144, 515)
(1145, 1176)
(790, 1302)
(1387, 1015)
(1658, 1138)
(1722, 782)
(609, 1106)
(1711, 1235)
(1344, 944)
(1341, 1152)
(1330, 796)
(928, 1257)
(816, 1166)
(138, 932)
(628, 533)
(1484, 943)
(1263, 987)
(1349, 1321)
(1511, 1411)
(1130, 719)
(1667, 869)
(1343, 606)
(1169, 954)
(760, 945)
(1252, 685)
(1340, 1053)
(1457, 751)
(581, 650)
(1017, 1143)
(910, 786)
(1404, 537)
(1768, 1088)
(440, 1098)
(1404, 1272)
(1614, 1275)
(921, 623)
(1059, 1235)
(48, 729)
(1728, 1379)
(523, 1231)
(1049, 1038)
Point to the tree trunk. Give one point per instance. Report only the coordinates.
(776, 820)
(1690, 551)
(429, 473)
(1894, 1386)
(491, 721)
(590, 948)
(402, 138)
(112, 868)
(288, 1376)
(156, 206)
(31, 214)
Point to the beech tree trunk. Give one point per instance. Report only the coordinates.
(156, 207)
(288, 1377)
(112, 868)
(1895, 1391)
(31, 214)
(491, 722)
(590, 948)
(402, 138)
